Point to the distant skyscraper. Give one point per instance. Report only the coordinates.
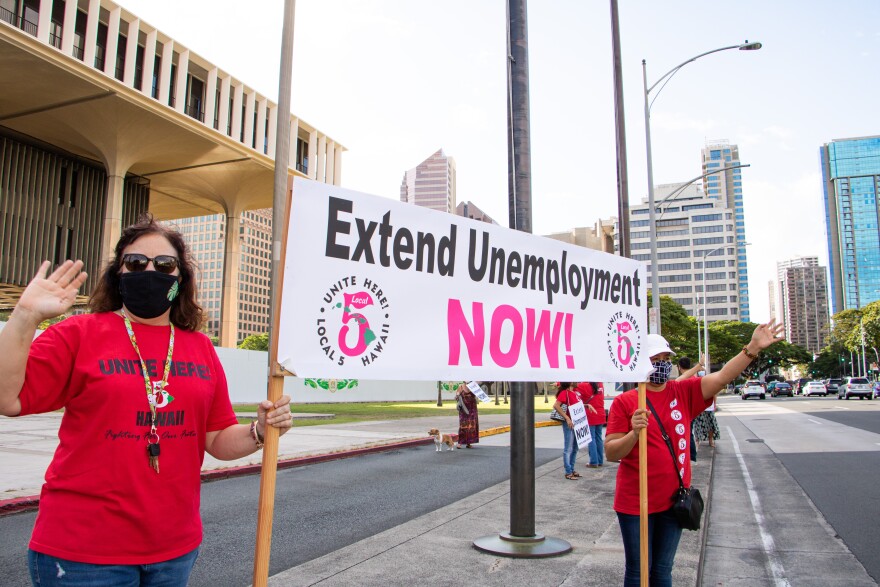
(851, 182)
(692, 229)
(431, 183)
(470, 210)
(726, 187)
(800, 300)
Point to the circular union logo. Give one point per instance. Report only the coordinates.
(624, 340)
(353, 321)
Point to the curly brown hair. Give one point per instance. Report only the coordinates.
(185, 311)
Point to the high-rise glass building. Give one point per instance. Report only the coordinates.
(431, 183)
(851, 182)
(726, 187)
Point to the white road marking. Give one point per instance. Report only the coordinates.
(840, 408)
(814, 421)
(773, 561)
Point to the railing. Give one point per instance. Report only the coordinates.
(55, 40)
(78, 52)
(195, 112)
(18, 21)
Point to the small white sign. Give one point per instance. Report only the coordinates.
(477, 391)
(578, 414)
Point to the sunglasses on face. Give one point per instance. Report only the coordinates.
(137, 262)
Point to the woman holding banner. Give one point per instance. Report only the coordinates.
(133, 376)
(671, 406)
(468, 419)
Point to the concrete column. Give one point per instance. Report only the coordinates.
(44, 22)
(180, 82)
(112, 42)
(273, 122)
(250, 106)
(165, 72)
(321, 168)
(331, 159)
(211, 97)
(149, 62)
(337, 168)
(231, 262)
(313, 155)
(237, 98)
(225, 85)
(68, 26)
(91, 32)
(131, 46)
(262, 104)
(112, 215)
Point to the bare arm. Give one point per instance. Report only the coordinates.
(236, 441)
(763, 336)
(618, 445)
(44, 298)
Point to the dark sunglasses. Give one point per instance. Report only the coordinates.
(138, 262)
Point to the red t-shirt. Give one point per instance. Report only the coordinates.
(595, 398)
(102, 503)
(678, 404)
(568, 397)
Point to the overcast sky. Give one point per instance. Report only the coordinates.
(395, 80)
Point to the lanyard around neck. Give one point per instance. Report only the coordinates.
(147, 384)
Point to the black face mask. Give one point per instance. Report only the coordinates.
(148, 294)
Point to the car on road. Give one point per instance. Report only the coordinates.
(753, 388)
(832, 385)
(815, 388)
(778, 388)
(855, 387)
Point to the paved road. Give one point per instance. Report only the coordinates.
(319, 508)
(795, 493)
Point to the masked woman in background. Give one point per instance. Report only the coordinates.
(140, 386)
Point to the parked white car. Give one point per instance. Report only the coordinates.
(815, 388)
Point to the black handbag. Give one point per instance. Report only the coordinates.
(688, 503)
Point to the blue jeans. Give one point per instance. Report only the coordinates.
(663, 536)
(597, 446)
(569, 448)
(52, 571)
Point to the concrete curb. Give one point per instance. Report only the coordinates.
(30, 503)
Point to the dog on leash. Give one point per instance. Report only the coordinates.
(441, 439)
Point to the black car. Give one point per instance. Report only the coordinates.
(781, 388)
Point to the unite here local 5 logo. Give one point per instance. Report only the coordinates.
(353, 321)
(624, 339)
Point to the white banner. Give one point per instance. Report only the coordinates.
(378, 289)
(578, 414)
(477, 391)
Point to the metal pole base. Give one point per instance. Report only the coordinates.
(536, 546)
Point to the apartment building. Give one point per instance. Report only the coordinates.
(799, 299)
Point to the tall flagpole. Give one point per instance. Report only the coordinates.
(522, 541)
(280, 209)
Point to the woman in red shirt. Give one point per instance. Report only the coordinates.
(676, 404)
(593, 394)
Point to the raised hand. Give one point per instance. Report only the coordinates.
(766, 334)
(47, 296)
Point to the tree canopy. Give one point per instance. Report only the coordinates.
(256, 342)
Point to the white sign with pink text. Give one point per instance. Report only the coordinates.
(379, 289)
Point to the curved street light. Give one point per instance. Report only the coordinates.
(705, 312)
(680, 188)
(655, 302)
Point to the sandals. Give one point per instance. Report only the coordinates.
(572, 476)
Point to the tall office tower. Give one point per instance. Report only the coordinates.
(431, 183)
(205, 236)
(851, 182)
(726, 187)
(695, 238)
(800, 300)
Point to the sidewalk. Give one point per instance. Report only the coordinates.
(433, 549)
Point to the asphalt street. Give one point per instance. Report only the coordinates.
(318, 508)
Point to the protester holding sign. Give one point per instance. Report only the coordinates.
(565, 397)
(468, 420)
(134, 376)
(675, 403)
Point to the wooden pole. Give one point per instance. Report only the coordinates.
(282, 192)
(643, 493)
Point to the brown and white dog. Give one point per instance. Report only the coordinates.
(441, 439)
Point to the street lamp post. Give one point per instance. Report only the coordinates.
(655, 291)
(705, 312)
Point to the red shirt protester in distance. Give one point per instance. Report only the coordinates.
(593, 394)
